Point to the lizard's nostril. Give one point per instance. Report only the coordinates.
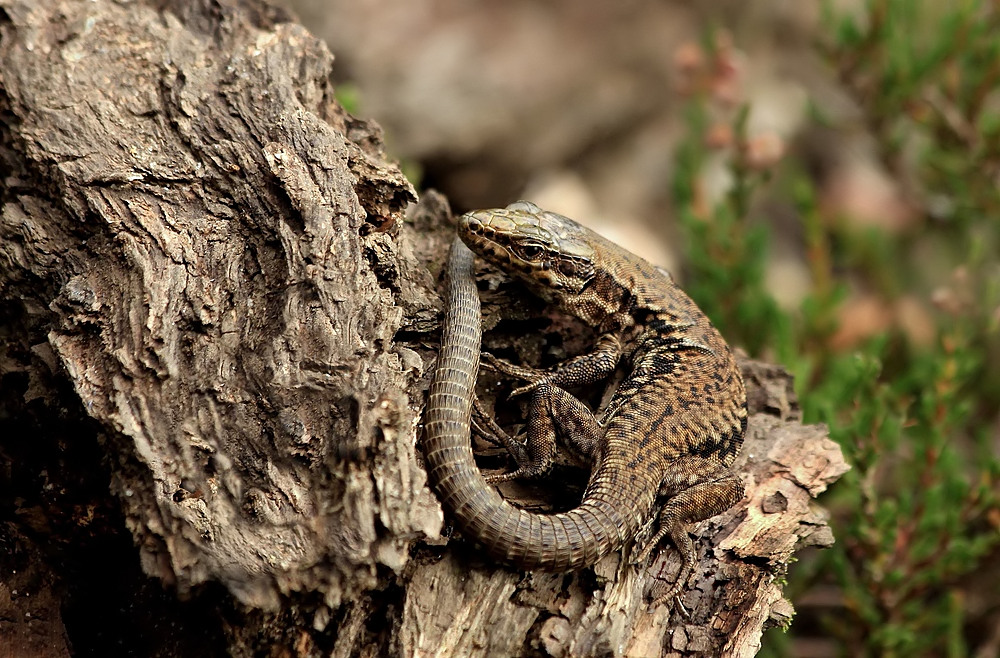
(473, 224)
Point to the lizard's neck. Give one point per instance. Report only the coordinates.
(628, 296)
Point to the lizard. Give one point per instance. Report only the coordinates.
(660, 453)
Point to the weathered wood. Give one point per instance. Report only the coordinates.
(214, 238)
(211, 262)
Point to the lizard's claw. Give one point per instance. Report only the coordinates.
(527, 388)
(495, 363)
(640, 556)
(676, 604)
(505, 367)
(488, 361)
(502, 476)
(668, 594)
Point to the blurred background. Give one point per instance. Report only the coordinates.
(824, 180)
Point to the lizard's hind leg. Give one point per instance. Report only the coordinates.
(553, 412)
(696, 503)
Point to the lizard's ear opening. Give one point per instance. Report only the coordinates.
(569, 268)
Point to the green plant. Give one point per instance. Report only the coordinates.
(920, 511)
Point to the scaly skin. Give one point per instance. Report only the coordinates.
(664, 444)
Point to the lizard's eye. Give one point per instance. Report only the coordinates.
(529, 251)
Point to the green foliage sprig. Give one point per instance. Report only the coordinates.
(919, 514)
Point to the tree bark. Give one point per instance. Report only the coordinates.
(213, 302)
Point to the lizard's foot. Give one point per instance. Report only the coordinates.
(527, 388)
(527, 467)
(687, 566)
(516, 474)
(689, 506)
(485, 426)
(672, 593)
(670, 524)
(505, 367)
(549, 405)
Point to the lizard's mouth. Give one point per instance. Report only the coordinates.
(478, 225)
(477, 230)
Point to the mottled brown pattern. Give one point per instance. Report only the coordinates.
(662, 447)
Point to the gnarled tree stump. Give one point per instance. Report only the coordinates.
(214, 302)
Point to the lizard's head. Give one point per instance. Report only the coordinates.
(548, 252)
(571, 266)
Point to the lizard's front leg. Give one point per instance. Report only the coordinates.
(584, 369)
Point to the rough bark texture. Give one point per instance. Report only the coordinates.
(212, 301)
